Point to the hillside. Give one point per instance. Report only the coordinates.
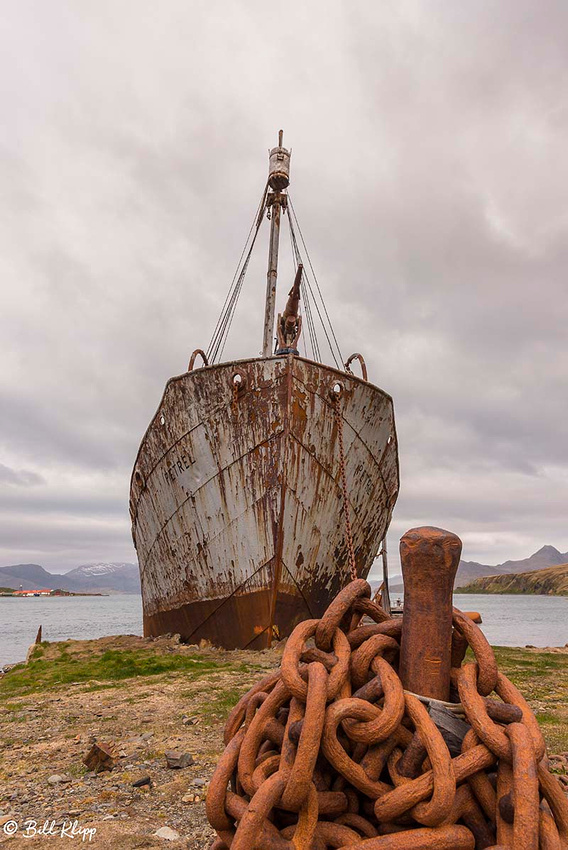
(469, 571)
(103, 577)
(88, 578)
(546, 556)
(29, 577)
(549, 581)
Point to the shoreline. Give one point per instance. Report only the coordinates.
(33, 595)
(464, 591)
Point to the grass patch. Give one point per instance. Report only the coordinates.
(542, 678)
(221, 702)
(101, 671)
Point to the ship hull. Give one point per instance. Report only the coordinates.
(236, 497)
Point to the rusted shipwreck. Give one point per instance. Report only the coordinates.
(262, 484)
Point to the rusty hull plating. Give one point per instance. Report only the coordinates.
(236, 497)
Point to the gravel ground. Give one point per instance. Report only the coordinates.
(44, 737)
(45, 734)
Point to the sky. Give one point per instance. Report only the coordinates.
(430, 177)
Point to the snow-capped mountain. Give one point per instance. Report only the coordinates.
(113, 577)
(117, 577)
(102, 569)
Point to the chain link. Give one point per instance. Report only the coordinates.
(235, 399)
(383, 756)
(348, 534)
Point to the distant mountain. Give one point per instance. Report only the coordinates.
(88, 578)
(101, 569)
(547, 556)
(469, 571)
(28, 576)
(117, 577)
(548, 581)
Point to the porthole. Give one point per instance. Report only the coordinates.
(238, 381)
(336, 390)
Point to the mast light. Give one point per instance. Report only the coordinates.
(279, 166)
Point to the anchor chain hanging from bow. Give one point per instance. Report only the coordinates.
(345, 494)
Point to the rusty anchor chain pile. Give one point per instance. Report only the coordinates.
(378, 736)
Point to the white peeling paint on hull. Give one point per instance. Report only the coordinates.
(241, 497)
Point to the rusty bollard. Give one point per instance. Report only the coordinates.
(430, 558)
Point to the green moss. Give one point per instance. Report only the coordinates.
(110, 667)
(542, 678)
(222, 701)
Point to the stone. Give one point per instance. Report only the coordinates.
(144, 780)
(167, 833)
(58, 778)
(199, 782)
(101, 756)
(176, 760)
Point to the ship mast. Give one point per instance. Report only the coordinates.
(276, 203)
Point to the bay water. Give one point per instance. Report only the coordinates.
(507, 620)
(64, 618)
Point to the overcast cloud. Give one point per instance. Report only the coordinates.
(429, 174)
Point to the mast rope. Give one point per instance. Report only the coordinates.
(339, 363)
(308, 298)
(316, 354)
(223, 326)
(312, 295)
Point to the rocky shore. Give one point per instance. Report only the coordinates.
(160, 707)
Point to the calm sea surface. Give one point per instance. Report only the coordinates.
(507, 620)
(75, 617)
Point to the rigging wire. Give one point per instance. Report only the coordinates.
(312, 329)
(309, 289)
(311, 298)
(316, 355)
(220, 336)
(220, 333)
(340, 364)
